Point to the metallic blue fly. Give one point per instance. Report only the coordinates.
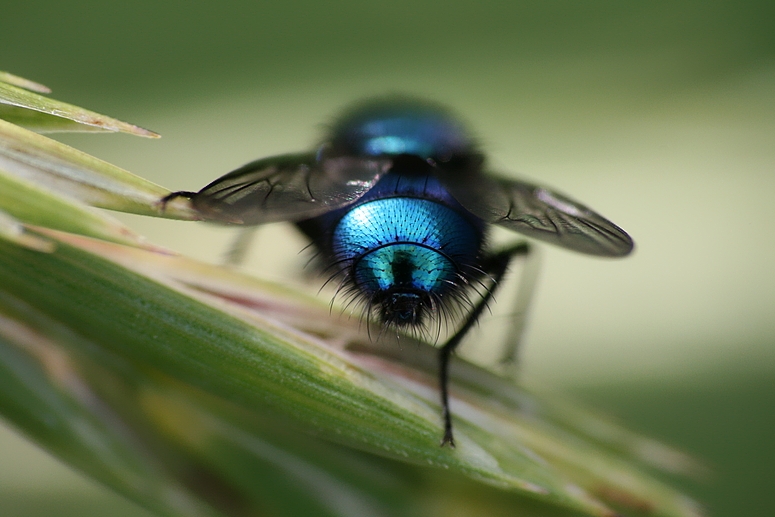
(398, 201)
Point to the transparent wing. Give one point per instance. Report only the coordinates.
(540, 213)
(289, 187)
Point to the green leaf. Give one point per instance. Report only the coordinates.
(351, 395)
(28, 109)
(196, 390)
(21, 82)
(69, 172)
(24, 201)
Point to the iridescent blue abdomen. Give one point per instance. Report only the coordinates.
(404, 243)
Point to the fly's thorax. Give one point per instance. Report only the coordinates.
(395, 126)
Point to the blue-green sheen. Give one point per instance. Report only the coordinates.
(418, 129)
(407, 244)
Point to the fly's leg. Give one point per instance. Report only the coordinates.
(495, 267)
(509, 359)
(163, 202)
(237, 252)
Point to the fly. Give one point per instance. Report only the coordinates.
(398, 200)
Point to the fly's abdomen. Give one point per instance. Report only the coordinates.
(405, 245)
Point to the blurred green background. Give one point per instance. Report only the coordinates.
(661, 115)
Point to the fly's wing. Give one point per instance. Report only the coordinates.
(289, 187)
(539, 213)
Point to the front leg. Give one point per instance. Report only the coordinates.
(495, 267)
